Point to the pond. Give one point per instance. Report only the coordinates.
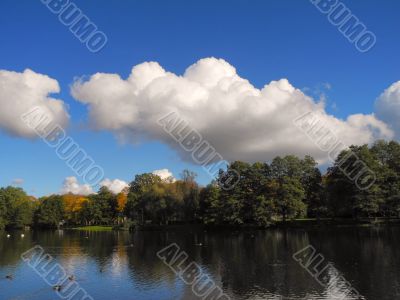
(255, 264)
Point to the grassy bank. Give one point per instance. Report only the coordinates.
(93, 228)
(296, 223)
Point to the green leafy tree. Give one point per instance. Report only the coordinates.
(264, 210)
(210, 204)
(50, 212)
(340, 189)
(104, 206)
(231, 208)
(139, 190)
(90, 213)
(290, 198)
(346, 196)
(289, 189)
(2, 212)
(367, 201)
(311, 180)
(232, 200)
(190, 191)
(19, 207)
(388, 177)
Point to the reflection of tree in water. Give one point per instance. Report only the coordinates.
(241, 263)
(12, 248)
(366, 257)
(99, 246)
(246, 265)
(258, 262)
(144, 265)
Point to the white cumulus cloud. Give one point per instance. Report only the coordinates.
(71, 185)
(165, 174)
(387, 107)
(116, 186)
(22, 92)
(240, 121)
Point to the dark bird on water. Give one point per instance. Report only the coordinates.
(9, 277)
(57, 287)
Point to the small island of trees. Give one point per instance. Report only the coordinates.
(285, 189)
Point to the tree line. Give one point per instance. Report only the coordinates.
(286, 188)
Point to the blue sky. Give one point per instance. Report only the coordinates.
(263, 40)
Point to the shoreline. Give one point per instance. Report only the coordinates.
(295, 224)
(291, 224)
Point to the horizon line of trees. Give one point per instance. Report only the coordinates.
(286, 188)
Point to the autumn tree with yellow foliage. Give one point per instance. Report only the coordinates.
(73, 205)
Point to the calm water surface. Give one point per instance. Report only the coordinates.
(246, 265)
